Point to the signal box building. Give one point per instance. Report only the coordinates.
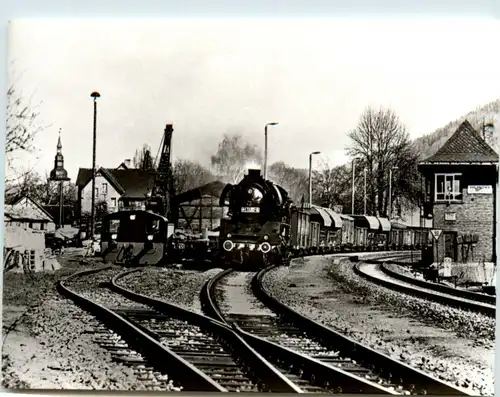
(460, 188)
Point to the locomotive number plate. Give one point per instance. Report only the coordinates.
(250, 210)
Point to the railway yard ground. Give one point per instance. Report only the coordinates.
(47, 343)
(450, 344)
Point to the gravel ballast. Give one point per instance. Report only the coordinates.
(448, 343)
(179, 287)
(48, 343)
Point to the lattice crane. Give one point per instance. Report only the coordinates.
(163, 189)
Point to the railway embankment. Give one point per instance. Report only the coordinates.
(451, 344)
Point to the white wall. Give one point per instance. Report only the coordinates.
(111, 194)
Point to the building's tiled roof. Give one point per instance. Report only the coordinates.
(213, 189)
(131, 183)
(25, 213)
(464, 146)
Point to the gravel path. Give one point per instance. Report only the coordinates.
(236, 296)
(390, 322)
(180, 287)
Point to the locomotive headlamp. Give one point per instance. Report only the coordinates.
(114, 236)
(250, 191)
(132, 217)
(228, 245)
(229, 235)
(150, 237)
(266, 237)
(265, 247)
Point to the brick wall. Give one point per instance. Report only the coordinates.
(475, 214)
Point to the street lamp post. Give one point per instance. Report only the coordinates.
(310, 177)
(353, 187)
(365, 191)
(265, 148)
(94, 95)
(390, 191)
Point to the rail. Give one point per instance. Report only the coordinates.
(159, 356)
(269, 376)
(425, 293)
(383, 364)
(475, 296)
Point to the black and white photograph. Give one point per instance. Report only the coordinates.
(261, 205)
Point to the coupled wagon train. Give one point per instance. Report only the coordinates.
(262, 225)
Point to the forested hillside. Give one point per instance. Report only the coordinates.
(429, 144)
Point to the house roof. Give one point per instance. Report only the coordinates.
(14, 208)
(213, 189)
(25, 213)
(464, 146)
(130, 183)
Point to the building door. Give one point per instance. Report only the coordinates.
(450, 245)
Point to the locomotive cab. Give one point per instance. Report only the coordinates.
(134, 238)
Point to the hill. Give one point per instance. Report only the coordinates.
(429, 144)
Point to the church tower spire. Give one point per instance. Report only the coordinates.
(59, 173)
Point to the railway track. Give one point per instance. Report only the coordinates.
(159, 346)
(475, 296)
(210, 346)
(315, 357)
(129, 343)
(377, 272)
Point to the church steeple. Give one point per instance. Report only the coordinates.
(59, 173)
(59, 144)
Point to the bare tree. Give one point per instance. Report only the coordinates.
(293, 180)
(27, 184)
(23, 124)
(331, 186)
(42, 190)
(380, 143)
(233, 157)
(143, 159)
(188, 175)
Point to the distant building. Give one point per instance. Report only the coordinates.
(28, 214)
(120, 188)
(199, 208)
(460, 182)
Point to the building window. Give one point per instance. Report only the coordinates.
(113, 202)
(30, 225)
(104, 189)
(42, 226)
(448, 187)
(97, 192)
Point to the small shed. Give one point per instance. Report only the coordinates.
(28, 214)
(199, 208)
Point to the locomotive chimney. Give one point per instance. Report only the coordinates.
(127, 163)
(253, 172)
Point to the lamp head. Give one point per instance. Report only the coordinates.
(95, 95)
(273, 123)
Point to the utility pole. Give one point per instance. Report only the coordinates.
(310, 177)
(365, 190)
(94, 95)
(353, 187)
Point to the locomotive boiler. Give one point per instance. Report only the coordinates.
(256, 231)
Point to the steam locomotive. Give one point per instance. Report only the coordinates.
(257, 230)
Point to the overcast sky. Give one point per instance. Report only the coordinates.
(210, 77)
